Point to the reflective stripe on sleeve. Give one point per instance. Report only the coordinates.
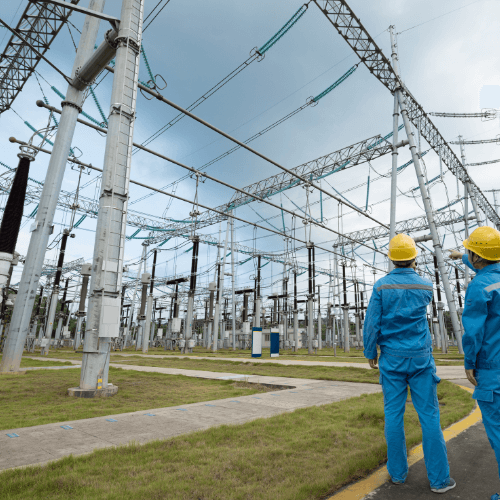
(490, 288)
(410, 286)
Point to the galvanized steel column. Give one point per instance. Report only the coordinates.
(103, 319)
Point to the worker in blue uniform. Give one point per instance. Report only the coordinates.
(396, 321)
(481, 321)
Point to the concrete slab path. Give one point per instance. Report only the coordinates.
(40, 444)
(444, 372)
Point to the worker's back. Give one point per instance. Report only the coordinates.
(396, 316)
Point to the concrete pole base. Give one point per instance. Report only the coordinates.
(109, 391)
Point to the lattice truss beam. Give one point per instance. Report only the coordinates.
(408, 226)
(354, 33)
(39, 24)
(360, 152)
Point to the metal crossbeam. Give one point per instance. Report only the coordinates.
(360, 152)
(406, 226)
(482, 163)
(354, 33)
(489, 114)
(484, 141)
(349, 156)
(40, 23)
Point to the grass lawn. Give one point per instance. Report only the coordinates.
(39, 397)
(325, 355)
(347, 374)
(25, 363)
(303, 455)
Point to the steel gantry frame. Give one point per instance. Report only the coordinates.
(354, 33)
(40, 23)
(408, 226)
(360, 152)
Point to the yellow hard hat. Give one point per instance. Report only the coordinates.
(485, 241)
(401, 248)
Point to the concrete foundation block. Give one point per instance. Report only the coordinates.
(76, 392)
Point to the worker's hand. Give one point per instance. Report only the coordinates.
(373, 363)
(455, 255)
(470, 377)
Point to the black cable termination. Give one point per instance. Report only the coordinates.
(13, 213)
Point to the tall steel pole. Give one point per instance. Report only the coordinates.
(320, 326)
(104, 304)
(336, 295)
(295, 313)
(85, 272)
(310, 299)
(55, 291)
(394, 176)
(345, 309)
(44, 223)
(143, 259)
(258, 301)
(192, 290)
(149, 310)
(256, 320)
(467, 190)
(427, 204)
(220, 291)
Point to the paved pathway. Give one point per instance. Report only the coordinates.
(445, 372)
(43, 443)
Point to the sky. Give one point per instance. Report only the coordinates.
(446, 60)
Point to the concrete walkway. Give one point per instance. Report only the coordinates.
(42, 443)
(444, 372)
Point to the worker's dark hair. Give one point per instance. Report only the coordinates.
(403, 263)
(481, 260)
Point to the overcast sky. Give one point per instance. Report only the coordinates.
(445, 62)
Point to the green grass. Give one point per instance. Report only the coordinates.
(303, 455)
(348, 374)
(28, 363)
(40, 396)
(325, 355)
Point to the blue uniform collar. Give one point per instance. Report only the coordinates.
(489, 269)
(403, 270)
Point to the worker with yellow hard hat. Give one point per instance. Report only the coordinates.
(481, 320)
(396, 321)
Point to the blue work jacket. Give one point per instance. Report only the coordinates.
(465, 260)
(396, 315)
(481, 320)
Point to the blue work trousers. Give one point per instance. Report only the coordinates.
(396, 374)
(487, 394)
